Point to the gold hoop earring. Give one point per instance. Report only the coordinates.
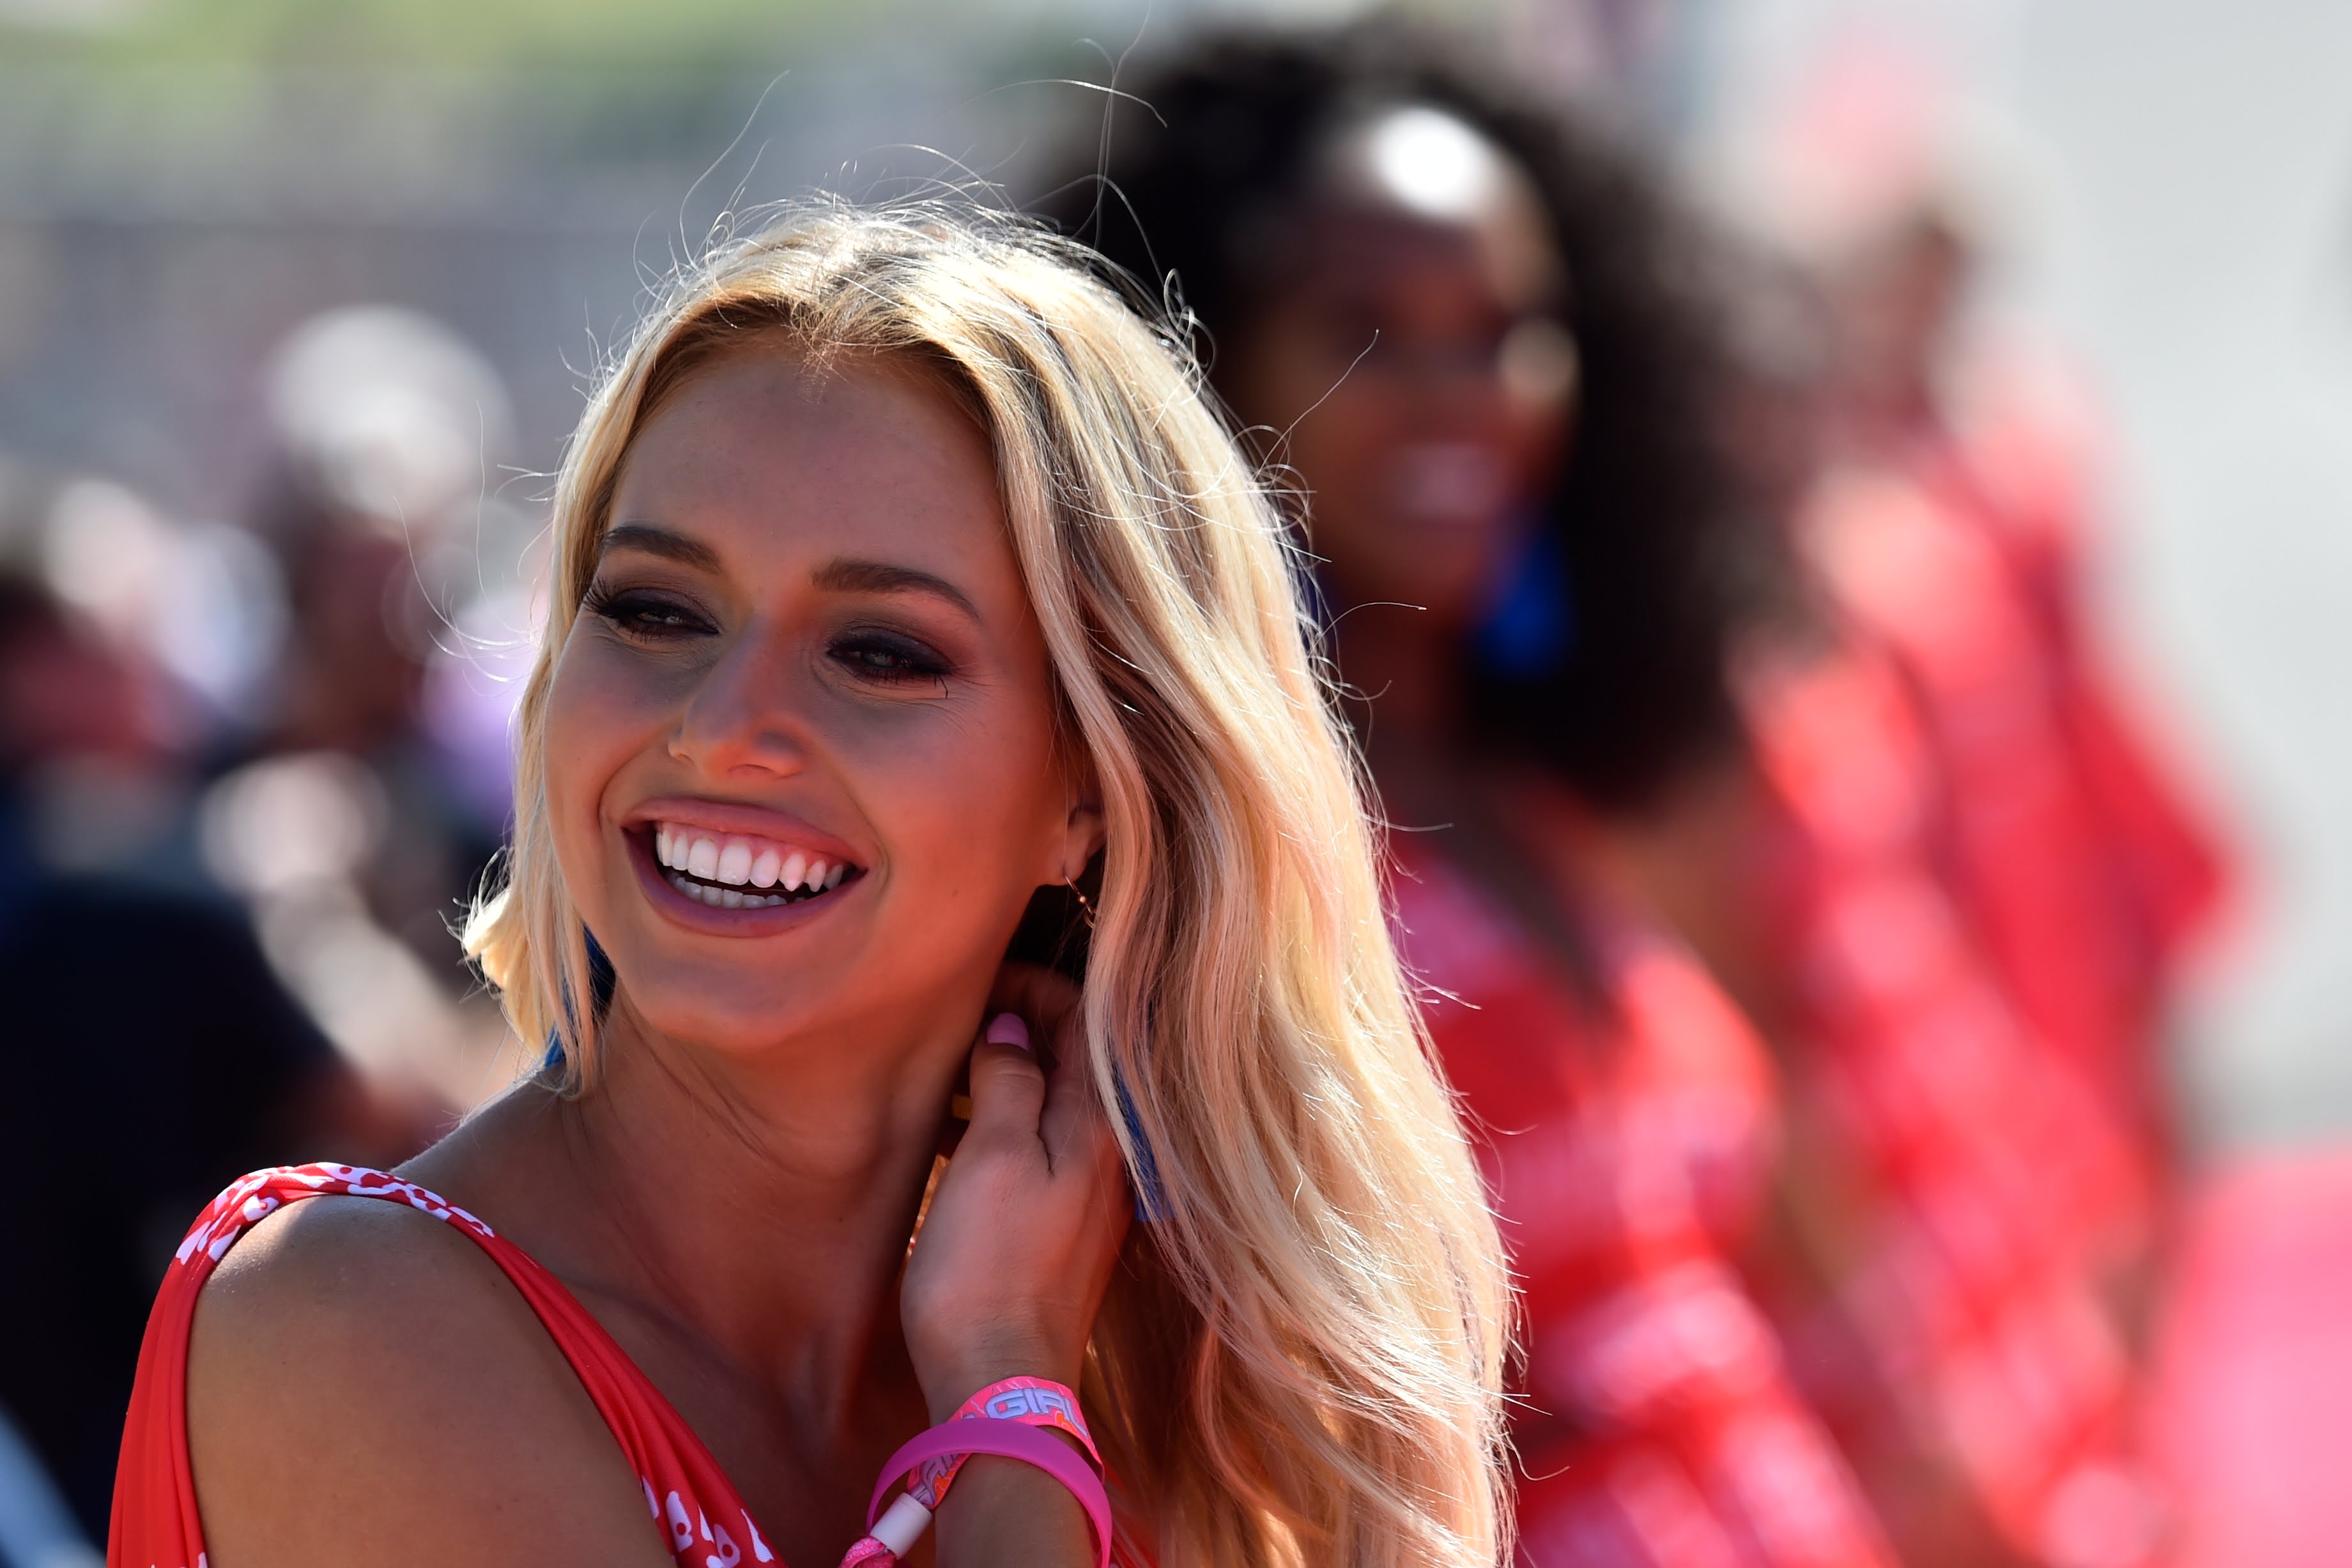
(1086, 905)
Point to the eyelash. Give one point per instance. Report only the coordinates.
(634, 612)
(870, 654)
(858, 650)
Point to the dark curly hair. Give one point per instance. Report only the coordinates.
(1196, 170)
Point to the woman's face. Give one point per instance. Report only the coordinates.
(801, 748)
(1410, 355)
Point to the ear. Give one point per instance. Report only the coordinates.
(1081, 839)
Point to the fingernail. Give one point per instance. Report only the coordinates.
(1007, 1029)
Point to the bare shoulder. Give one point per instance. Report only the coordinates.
(365, 1387)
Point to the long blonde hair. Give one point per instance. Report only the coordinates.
(1301, 1360)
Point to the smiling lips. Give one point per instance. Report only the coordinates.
(729, 871)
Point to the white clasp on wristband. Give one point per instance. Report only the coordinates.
(901, 1525)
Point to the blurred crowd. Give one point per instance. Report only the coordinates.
(1798, 897)
(248, 773)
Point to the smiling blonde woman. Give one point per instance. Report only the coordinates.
(906, 585)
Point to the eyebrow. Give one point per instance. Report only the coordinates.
(648, 540)
(844, 574)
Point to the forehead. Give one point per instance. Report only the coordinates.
(771, 447)
(1343, 252)
(1414, 192)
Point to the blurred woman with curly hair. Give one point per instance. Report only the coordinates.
(1476, 334)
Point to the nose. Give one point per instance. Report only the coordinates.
(748, 716)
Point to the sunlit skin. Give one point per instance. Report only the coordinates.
(750, 647)
(1411, 364)
(807, 622)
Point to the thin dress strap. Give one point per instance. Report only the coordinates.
(156, 1525)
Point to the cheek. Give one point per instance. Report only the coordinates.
(1343, 451)
(596, 723)
(1532, 455)
(969, 803)
(1339, 403)
(1357, 419)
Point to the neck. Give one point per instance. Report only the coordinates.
(755, 1212)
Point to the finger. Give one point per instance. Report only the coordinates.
(1008, 1087)
(1072, 1123)
(1071, 1103)
(1046, 998)
(1080, 1146)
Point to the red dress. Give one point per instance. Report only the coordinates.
(156, 1523)
(1625, 1139)
(1985, 884)
(1969, 1180)
(2077, 864)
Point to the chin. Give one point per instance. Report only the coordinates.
(740, 1001)
(729, 1007)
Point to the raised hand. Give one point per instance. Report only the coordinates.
(1026, 1227)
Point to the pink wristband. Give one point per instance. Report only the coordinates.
(1010, 1441)
(1003, 1410)
(1031, 1400)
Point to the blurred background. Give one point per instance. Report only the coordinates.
(298, 301)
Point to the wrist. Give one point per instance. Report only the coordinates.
(951, 1382)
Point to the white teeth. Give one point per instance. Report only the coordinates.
(743, 864)
(728, 898)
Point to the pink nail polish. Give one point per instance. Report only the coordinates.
(1007, 1029)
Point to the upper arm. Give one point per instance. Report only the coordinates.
(366, 1388)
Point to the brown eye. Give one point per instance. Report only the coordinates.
(637, 612)
(887, 657)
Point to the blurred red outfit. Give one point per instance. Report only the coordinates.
(2077, 866)
(1985, 886)
(1625, 1135)
(1963, 1187)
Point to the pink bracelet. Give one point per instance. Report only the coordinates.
(1031, 1400)
(1008, 1412)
